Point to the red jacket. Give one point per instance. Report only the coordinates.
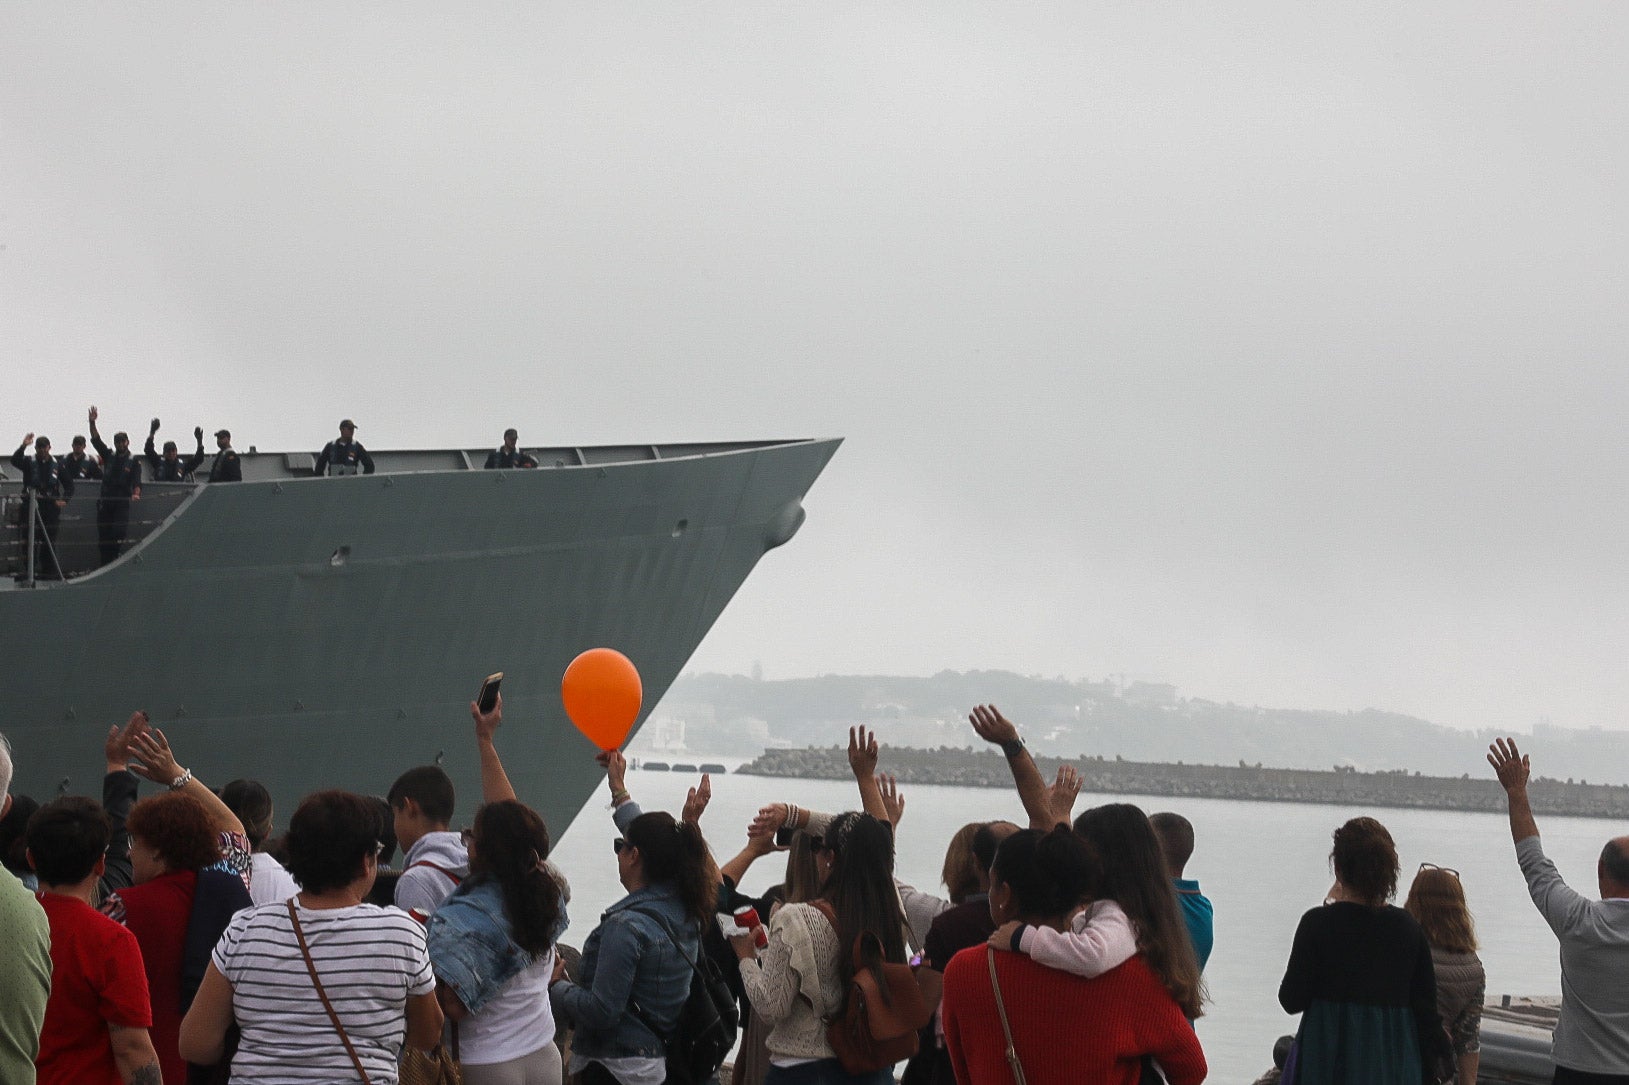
(1066, 1030)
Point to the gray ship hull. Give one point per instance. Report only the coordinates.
(330, 632)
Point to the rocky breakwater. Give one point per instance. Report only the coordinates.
(1339, 786)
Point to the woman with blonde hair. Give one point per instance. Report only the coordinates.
(1436, 900)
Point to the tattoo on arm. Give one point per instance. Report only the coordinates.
(147, 1075)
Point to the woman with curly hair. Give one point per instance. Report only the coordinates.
(492, 947)
(1360, 974)
(1436, 900)
(173, 838)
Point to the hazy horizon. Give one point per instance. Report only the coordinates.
(1273, 352)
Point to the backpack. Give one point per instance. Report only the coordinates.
(883, 1009)
(704, 1033)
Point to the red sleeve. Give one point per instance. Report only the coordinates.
(122, 994)
(955, 981)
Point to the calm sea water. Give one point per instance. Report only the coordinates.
(1262, 864)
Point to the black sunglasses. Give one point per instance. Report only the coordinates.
(618, 844)
(1433, 866)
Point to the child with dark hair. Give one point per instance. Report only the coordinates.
(99, 1013)
(434, 860)
(1065, 1028)
(1175, 834)
(492, 947)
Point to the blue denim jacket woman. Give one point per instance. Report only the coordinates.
(631, 967)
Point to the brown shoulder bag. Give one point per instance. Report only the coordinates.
(882, 1012)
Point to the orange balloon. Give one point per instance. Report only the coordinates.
(602, 693)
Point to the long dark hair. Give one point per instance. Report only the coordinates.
(1365, 860)
(1049, 873)
(860, 888)
(1134, 877)
(511, 843)
(675, 852)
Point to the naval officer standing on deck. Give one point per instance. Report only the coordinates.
(342, 457)
(507, 455)
(171, 467)
(121, 484)
(226, 466)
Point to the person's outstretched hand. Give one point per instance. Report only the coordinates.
(616, 767)
(892, 800)
(696, 800)
(93, 416)
(155, 761)
(992, 726)
(1061, 795)
(486, 723)
(153, 427)
(116, 750)
(862, 752)
(1512, 766)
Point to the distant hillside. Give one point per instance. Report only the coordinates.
(1139, 721)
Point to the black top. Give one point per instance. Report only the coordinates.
(123, 475)
(44, 477)
(501, 459)
(1347, 952)
(227, 467)
(345, 455)
(175, 470)
(79, 465)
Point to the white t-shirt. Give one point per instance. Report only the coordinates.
(271, 884)
(370, 959)
(516, 1021)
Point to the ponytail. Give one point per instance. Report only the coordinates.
(676, 852)
(511, 844)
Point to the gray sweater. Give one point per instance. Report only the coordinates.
(1593, 1033)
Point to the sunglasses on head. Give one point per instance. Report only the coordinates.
(1433, 866)
(818, 843)
(618, 844)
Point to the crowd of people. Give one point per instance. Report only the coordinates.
(49, 480)
(178, 938)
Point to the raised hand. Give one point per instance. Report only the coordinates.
(154, 759)
(992, 726)
(93, 415)
(486, 723)
(116, 750)
(1061, 795)
(769, 820)
(198, 432)
(153, 427)
(616, 768)
(1512, 766)
(862, 752)
(28, 440)
(696, 800)
(892, 800)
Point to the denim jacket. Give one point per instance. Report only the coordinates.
(470, 945)
(630, 959)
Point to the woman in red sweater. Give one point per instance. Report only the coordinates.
(1065, 1030)
(173, 908)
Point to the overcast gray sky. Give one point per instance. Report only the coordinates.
(1276, 351)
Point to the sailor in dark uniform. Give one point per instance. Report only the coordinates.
(78, 464)
(342, 457)
(507, 455)
(121, 484)
(43, 478)
(171, 467)
(226, 466)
